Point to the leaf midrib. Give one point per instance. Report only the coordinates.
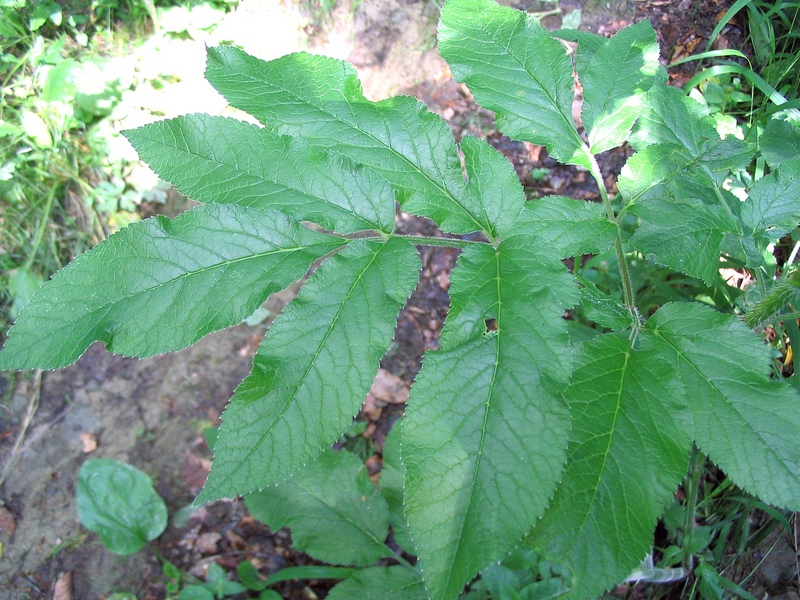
(482, 442)
(681, 355)
(293, 398)
(680, 166)
(352, 125)
(273, 181)
(606, 454)
(109, 305)
(542, 88)
(602, 114)
(345, 517)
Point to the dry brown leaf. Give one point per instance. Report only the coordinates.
(692, 43)
(374, 464)
(207, 543)
(62, 590)
(534, 151)
(721, 42)
(7, 523)
(386, 389)
(236, 541)
(372, 408)
(677, 52)
(577, 109)
(389, 388)
(195, 472)
(88, 442)
(189, 538)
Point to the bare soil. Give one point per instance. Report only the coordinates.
(151, 412)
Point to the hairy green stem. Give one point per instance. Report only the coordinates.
(718, 193)
(420, 240)
(627, 287)
(691, 491)
(438, 241)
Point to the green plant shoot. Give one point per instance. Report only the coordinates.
(512, 435)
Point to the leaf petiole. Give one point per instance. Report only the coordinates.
(627, 287)
(420, 240)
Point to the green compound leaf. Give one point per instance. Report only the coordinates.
(648, 173)
(513, 67)
(614, 85)
(685, 235)
(335, 512)
(314, 369)
(626, 458)
(687, 218)
(779, 142)
(745, 422)
(117, 501)
(493, 185)
(214, 159)
(772, 208)
(487, 436)
(381, 583)
(481, 407)
(320, 100)
(660, 169)
(161, 284)
(568, 227)
(670, 117)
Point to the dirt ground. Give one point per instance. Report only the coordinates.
(151, 412)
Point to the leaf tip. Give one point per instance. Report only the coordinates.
(206, 495)
(214, 53)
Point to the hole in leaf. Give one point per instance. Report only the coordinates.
(491, 324)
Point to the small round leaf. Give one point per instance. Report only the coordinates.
(118, 502)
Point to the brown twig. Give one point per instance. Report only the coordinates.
(33, 404)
